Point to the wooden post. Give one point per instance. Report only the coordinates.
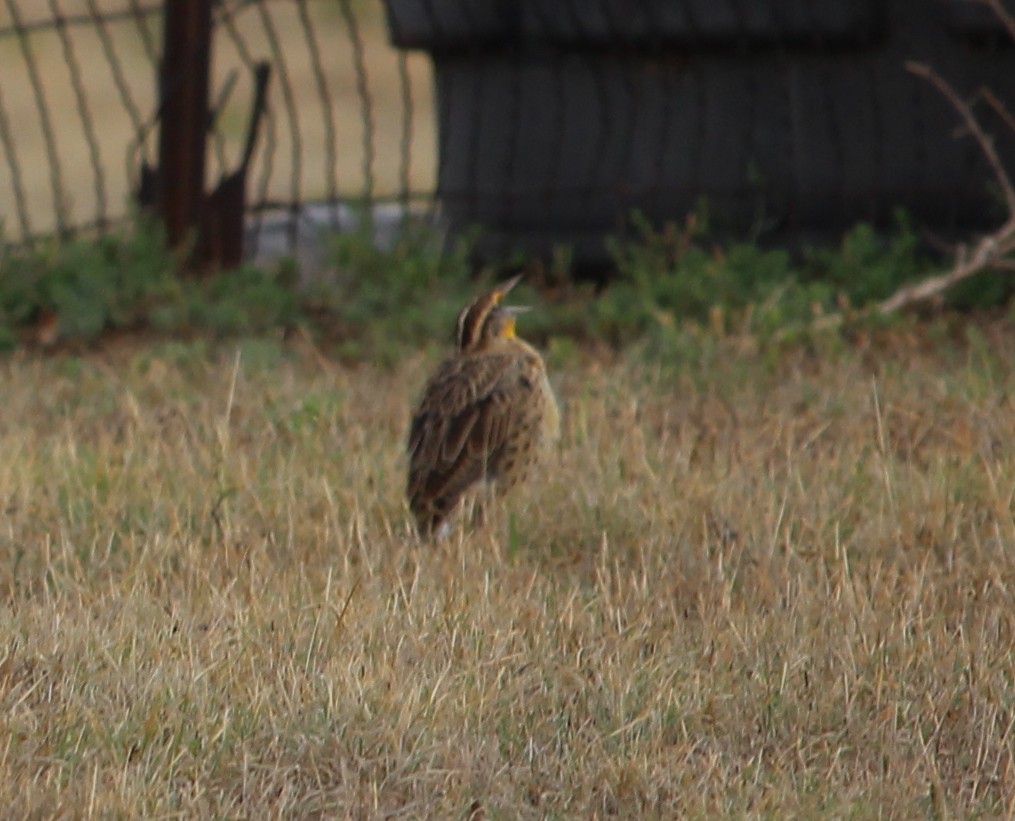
(184, 117)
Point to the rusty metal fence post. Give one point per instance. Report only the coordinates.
(184, 117)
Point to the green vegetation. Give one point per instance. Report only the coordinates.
(129, 281)
(671, 283)
(671, 287)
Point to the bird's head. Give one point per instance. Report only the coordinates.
(485, 319)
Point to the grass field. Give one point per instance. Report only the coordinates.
(748, 587)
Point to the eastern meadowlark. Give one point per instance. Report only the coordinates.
(486, 414)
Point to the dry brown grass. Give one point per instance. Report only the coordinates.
(745, 591)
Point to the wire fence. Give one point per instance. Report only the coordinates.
(783, 121)
(348, 118)
(545, 121)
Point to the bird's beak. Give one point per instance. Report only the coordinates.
(501, 290)
(512, 311)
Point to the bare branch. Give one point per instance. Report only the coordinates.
(999, 107)
(1007, 20)
(985, 255)
(985, 141)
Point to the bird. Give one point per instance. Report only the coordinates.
(486, 415)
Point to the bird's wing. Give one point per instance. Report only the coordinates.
(460, 426)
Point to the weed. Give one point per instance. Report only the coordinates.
(868, 266)
(674, 297)
(89, 285)
(384, 299)
(668, 277)
(128, 280)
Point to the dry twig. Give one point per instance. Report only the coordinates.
(991, 251)
(1002, 14)
(984, 140)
